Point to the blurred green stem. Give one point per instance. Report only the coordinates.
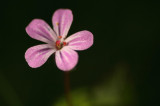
(67, 88)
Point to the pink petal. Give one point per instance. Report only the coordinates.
(62, 20)
(80, 41)
(36, 56)
(38, 29)
(66, 59)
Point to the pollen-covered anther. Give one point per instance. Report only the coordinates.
(64, 43)
(57, 23)
(59, 37)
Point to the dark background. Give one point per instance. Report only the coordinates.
(120, 69)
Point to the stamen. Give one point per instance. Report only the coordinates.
(57, 23)
(58, 44)
(59, 37)
(64, 43)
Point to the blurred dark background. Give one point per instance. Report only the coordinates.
(120, 69)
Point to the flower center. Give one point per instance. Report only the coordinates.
(60, 43)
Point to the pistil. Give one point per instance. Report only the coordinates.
(60, 43)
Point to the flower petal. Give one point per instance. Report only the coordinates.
(38, 29)
(80, 41)
(66, 59)
(62, 20)
(36, 56)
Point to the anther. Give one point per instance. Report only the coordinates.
(64, 43)
(57, 23)
(59, 37)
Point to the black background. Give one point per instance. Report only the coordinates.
(126, 36)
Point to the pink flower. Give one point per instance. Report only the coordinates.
(56, 42)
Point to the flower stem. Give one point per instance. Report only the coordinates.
(67, 88)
